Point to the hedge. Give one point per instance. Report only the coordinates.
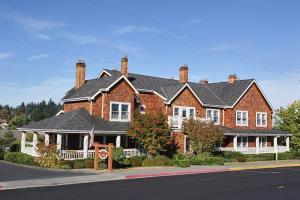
(157, 161)
(136, 161)
(19, 158)
(206, 160)
(182, 163)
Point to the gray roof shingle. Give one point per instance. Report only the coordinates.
(213, 94)
(78, 120)
(246, 131)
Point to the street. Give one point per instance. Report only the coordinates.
(278, 183)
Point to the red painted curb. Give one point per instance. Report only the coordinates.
(174, 173)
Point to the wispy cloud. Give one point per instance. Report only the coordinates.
(34, 26)
(38, 56)
(282, 90)
(222, 47)
(81, 39)
(121, 30)
(5, 55)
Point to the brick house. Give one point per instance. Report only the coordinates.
(108, 102)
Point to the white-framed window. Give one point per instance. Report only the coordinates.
(119, 111)
(242, 142)
(213, 115)
(263, 141)
(241, 118)
(261, 119)
(142, 109)
(184, 112)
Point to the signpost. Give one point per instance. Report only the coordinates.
(103, 154)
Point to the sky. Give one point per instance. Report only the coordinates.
(40, 42)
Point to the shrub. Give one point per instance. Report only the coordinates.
(241, 158)
(66, 166)
(162, 161)
(1, 154)
(19, 158)
(88, 163)
(78, 164)
(232, 156)
(15, 147)
(102, 165)
(47, 155)
(259, 157)
(136, 161)
(206, 160)
(286, 156)
(118, 154)
(182, 163)
(147, 162)
(66, 162)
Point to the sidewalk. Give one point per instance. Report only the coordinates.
(132, 173)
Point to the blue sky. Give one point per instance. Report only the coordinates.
(41, 41)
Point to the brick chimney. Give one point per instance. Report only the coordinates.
(232, 78)
(80, 74)
(124, 65)
(184, 74)
(203, 81)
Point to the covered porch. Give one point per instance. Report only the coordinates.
(70, 133)
(256, 141)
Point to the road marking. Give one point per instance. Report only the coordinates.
(281, 187)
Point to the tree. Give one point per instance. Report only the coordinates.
(5, 114)
(152, 132)
(18, 121)
(203, 135)
(7, 139)
(288, 119)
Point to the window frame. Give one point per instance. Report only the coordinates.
(142, 106)
(187, 108)
(261, 120)
(236, 117)
(120, 111)
(212, 109)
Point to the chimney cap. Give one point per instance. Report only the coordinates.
(81, 61)
(203, 81)
(124, 57)
(184, 66)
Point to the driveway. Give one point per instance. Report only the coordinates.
(13, 172)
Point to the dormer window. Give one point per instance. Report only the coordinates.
(119, 111)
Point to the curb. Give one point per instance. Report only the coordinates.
(136, 176)
(263, 167)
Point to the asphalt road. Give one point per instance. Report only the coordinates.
(11, 172)
(266, 184)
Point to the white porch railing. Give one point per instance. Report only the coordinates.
(252, 150)
(176, 122)
(127, 153)
(79, 154)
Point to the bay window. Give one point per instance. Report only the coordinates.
(119, 111)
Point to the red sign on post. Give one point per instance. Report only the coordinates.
(103, 154)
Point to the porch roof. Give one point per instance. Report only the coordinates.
(253, 132)
(78, 121)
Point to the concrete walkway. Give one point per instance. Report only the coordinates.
(123, 174)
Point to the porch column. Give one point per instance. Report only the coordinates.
(287, 142)
(85, 145)
(257, 145)
(235, 143)
(47, 139)
(58, 142)
(275, 148)
(23, 141)
(35, 140)
(184, 144)
(118, 141)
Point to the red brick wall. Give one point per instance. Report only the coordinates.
(153, 103)
(186, 98)
(253, 101)
(70, 106)
(121, 92)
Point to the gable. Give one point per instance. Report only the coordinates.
(185, 98)
(253, 97)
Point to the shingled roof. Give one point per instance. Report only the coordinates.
(211, 94)
(76, 121)
(247, 131)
